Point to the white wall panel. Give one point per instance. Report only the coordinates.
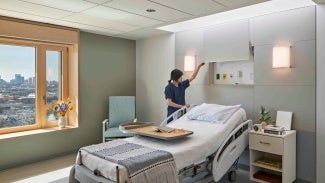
(190, 42)
(303, 65)
(226, 42)
(233, 95)
(284, 27)
(298, 99)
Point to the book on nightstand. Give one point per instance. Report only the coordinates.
(276, 130)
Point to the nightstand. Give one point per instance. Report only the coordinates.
(272, 157)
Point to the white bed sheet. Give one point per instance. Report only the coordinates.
(205, 140)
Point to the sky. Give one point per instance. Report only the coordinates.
(21, 60)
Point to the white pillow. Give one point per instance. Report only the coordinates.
(212, 113)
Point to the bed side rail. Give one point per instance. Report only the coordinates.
(237, 141)
(231, 149)
(233, 136)
(176, 115)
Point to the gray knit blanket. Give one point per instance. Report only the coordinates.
(143, 164)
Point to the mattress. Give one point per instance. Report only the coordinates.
(205, 140)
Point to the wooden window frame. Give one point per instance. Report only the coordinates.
(42, 82)
(40, 85)
(28, 33)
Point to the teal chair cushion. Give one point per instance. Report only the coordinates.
(115, 132)
(121, 110)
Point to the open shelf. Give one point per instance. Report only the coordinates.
(267, 167)
(264, 176)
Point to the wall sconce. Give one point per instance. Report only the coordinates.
(189, 63)
(281, 57)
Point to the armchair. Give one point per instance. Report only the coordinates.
(121, 110)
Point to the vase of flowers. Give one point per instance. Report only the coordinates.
(62, 108)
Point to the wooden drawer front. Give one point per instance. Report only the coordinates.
(264, 143)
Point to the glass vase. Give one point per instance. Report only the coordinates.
(62, 123)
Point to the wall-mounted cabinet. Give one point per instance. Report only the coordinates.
(227, 42)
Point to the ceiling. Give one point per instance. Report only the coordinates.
(120, 18)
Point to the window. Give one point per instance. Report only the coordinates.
(38, 65)
(32, 77)
(17, 86)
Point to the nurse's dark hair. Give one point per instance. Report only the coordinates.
(175, 75)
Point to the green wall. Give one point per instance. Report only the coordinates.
(106, 67)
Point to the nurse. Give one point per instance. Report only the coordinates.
(175, 90)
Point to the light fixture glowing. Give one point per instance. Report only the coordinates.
(281, 57)
(189, 63)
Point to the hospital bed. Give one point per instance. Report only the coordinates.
(212, 148)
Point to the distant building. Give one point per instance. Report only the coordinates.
(18, 80)
(31, 81)
(27, 100)
(30, 99)
(2, 99)
(3, 82)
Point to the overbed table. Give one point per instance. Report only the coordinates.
(150, 130)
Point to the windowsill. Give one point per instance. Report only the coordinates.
(37, 131)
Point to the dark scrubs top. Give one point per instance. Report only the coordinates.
(176, 94)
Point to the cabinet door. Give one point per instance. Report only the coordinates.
(226, 42)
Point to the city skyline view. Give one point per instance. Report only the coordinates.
(18, 84)
(12, 63)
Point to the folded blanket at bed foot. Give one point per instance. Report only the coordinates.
(144, 164)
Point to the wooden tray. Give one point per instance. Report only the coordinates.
(149, 131)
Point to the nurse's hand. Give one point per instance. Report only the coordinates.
(201, 64)
(188, 105)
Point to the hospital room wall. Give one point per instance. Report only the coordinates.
(288, 89)
(291, 89)
(154, 59)
(106, 67)
(320, 118)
